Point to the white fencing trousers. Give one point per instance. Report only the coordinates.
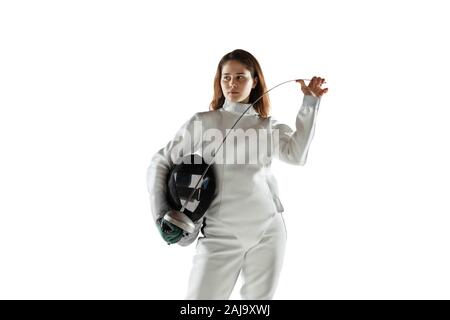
(220, 259)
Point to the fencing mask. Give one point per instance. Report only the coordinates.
(191, 187)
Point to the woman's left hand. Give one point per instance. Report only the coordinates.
(314, 87)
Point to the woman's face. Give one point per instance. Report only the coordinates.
(237, 82)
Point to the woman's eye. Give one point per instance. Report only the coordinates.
(240, 78)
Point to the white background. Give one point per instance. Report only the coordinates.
(90, 90)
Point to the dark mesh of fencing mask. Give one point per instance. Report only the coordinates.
(181, 182)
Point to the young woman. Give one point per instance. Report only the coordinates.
(243, 229)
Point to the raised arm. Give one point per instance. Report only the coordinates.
(292, 146)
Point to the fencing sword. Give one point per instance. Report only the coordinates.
(178, 217)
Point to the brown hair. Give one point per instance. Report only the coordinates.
(250, 62)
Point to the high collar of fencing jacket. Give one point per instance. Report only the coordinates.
(238, 108)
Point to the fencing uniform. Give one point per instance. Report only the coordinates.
(243, 230)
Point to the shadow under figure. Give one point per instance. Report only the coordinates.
(236, 206)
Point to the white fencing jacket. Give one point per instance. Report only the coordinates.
(247, 195)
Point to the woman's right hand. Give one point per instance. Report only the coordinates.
(169, 232)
